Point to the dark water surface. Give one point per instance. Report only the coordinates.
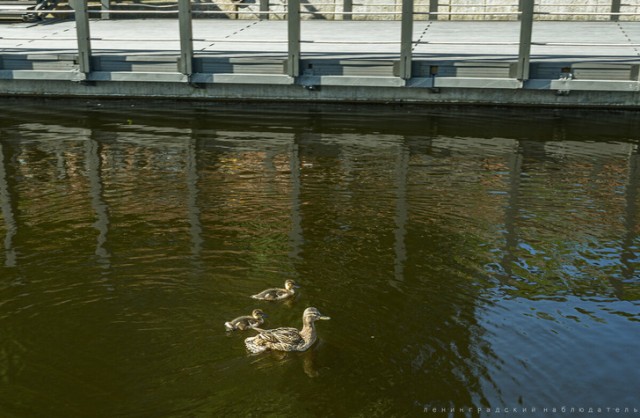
(469, 259)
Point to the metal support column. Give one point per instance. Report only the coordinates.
(264, 9)
(185, 63)
(83, 36)
(293, 28)
(615, 8)
(433, 8)
(526, 29)
(347, 8)
(406, 39)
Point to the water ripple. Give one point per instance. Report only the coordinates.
(487, 260)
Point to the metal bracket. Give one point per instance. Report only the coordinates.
(196, 85)
(565, 77)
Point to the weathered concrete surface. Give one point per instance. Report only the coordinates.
(355, 94)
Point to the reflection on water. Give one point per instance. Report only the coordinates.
(469, 260)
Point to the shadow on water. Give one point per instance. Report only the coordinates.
(460, 252)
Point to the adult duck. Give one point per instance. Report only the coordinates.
(278, 293)
(287, 339)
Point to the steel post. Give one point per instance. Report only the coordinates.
(83, 35)
(347, 8)
(406, 39)
(264, 9)
(526, 29)
(185, 64)
(615, 8)
(293, 29)
(433, 8)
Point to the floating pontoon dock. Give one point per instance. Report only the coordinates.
(511, 62)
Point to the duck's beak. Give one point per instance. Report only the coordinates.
(324, 317)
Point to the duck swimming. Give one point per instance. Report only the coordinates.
(246, 322)
(287, 339)
(278, 293)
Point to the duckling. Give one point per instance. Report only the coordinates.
(287, 339)
(278, 293)
(245, 322)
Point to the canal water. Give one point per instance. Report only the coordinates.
(474, 262)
